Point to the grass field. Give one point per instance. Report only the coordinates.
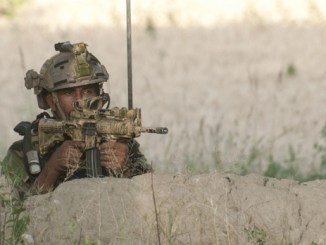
(235, 94)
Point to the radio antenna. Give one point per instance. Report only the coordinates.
(129, 56)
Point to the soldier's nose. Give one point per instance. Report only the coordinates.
(78, 94)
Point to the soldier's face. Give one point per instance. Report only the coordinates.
(67, 97)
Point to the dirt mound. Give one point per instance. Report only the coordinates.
(203, 209)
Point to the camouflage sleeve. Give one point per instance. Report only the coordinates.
(13, 167)
(136, 164)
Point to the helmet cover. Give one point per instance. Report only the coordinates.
(74, 66)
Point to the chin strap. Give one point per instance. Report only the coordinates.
(57, 104)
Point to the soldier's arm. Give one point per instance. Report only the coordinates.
(137, 163)
(47, 179)
(132, 164)
(66, 156)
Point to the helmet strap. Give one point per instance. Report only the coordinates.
(57, 105)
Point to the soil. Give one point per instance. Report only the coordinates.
(203, 209)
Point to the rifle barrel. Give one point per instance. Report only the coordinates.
(158, 130)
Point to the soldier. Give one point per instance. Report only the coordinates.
(72, 74)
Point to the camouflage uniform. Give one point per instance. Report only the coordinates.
(73, 66)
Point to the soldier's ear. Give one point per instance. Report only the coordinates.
(50, 101)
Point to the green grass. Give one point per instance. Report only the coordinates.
(256, 235)
(291, 70)
(8, 8)
(205, 150)
(13, 222)
(290, 169)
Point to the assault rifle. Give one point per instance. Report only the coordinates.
(89, 123)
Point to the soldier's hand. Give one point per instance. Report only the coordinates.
(114, 155)
(67, 156)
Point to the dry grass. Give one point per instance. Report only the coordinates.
(229, 94)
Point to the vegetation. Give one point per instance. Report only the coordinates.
(13, 221)
(252, 158)
(12, 210)
(8, 8)
(256, 235)
(289, 167)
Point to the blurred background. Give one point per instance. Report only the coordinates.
(240, 83)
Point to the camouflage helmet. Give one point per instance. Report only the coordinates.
(74, 66)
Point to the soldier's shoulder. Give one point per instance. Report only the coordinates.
(17, 146)
(14, 154)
